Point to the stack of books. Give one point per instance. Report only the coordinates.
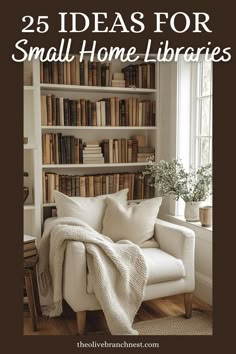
(29, 246)
(118, 83)
(118, 80)
(92, 153)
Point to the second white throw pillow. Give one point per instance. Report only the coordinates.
(134, 223)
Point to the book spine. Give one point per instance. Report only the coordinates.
(44, 110)
(49, 109)
(60, 73)
(110, 150)
(94, 113)
(77, 186)
(58, 119)
(73, 192)
(86, 72)
(73, 72)
(54, 118)
(82, 70)
(94, 73)
(90, 73)
(82, 187)
(77, 70)
(112, 111)
(55, 72)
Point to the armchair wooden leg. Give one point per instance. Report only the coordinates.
(188, 304)
(81, 322)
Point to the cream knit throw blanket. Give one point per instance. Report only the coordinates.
(118, 271)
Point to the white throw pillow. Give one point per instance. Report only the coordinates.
(134, 222)
(89, 210)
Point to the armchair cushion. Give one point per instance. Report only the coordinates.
(162, 267)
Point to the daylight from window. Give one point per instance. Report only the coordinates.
(202, 115)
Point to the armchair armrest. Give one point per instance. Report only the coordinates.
(174, 239)
(179, 242)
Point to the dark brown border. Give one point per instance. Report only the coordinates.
(222, 21)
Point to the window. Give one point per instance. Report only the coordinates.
(201, 117)
(194, 118)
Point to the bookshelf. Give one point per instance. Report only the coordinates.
(125, 164)
(31, 150)
(56, 127)
(35, 209)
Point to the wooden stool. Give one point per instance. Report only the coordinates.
(31, 287)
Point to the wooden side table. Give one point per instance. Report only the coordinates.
(31, 287)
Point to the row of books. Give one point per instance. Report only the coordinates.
(95, 73)
(76, 73)
(106, 112)
(140, 75)
(29, 247)
(63, 149)
(95, 185)
(125, 151)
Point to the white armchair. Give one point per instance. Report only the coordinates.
(170, 271)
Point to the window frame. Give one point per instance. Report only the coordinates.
(187, 86)
(196, 116)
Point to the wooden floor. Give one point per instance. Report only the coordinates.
(96, 323)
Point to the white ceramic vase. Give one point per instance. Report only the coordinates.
(191, 212)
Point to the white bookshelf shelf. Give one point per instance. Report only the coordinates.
(29, 207)
(28, 88)
(48, 205)
(57, 127)
(57, 87)
(30, 147)
(131, 164)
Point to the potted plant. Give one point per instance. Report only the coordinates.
(171, 178)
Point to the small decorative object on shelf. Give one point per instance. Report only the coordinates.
(118, 80)
(193, 187)
(25, 140)
(26, 189)
(205, 214)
